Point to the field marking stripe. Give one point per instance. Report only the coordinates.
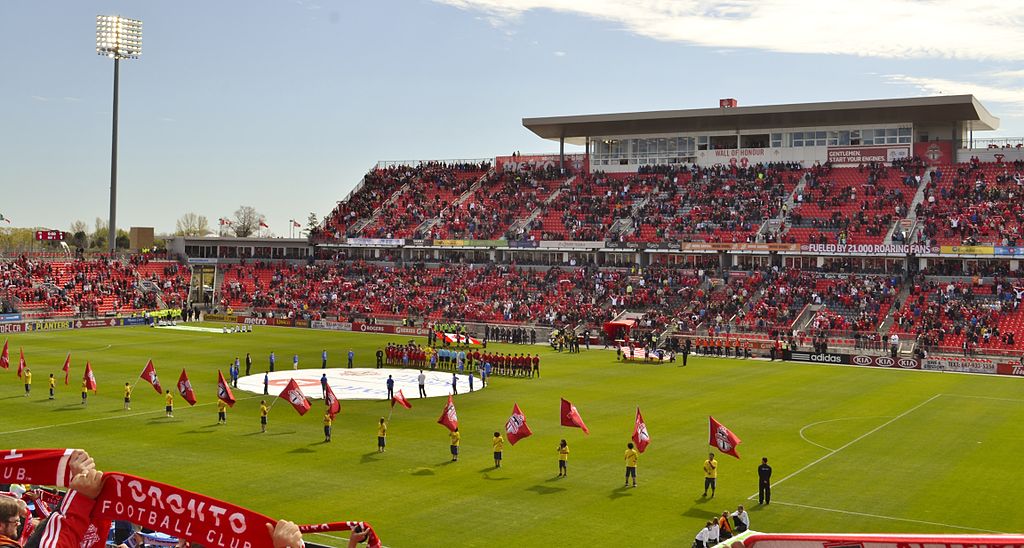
(115, 417)
(863, 514)
(855, 440)
(827, 421)
(984, 397)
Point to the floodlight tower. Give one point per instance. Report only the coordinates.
(118, 38)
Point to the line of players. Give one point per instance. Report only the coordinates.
(720, 346)
(473, 360)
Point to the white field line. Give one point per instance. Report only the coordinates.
(115, 417)
(855, 440)
(984, 397)
(891, 518)
(828, 421)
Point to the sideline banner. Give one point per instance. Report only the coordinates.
(368, 328)
(220, 318)
(851, 359)
(10, 317)
(1015, 369)
(962, 365)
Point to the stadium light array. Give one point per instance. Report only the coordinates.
(117, 38)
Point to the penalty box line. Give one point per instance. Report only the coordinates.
(855, 440)
(115, 417)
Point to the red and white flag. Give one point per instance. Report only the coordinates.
(296, 224)
(449, 419)
(333, 405)
(67, 368)
(224, 390)
(571, 416)
(149, 375)
(89, 378)
(400, 399)
(22, 364)
(185, 388)
(263, 224)
(516, 426)
(5, 357)
(293, 394)
(640, 435)
(722, 438)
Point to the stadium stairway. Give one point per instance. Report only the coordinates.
(911, 211)
(519, 226)
(426, 225)
(890, 316)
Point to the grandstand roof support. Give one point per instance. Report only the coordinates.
(561, 154)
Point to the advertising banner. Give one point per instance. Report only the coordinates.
(220, 318)
(10, 317)
(49, 325)
(368, 328)
(863, 155)
(375, 242)
(847, 359)
(871, 249)
(133, 321)
(107, 322)
(967, 250)
(576, 162)
(12, 327)
(961, 365)
(935, 152)
(885, 361)
(815, 357)
(1015, 369)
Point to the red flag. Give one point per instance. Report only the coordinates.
(400, 400)
(516, 427)
(185, 388)
(294, 395)
(263, 224)
(571, 417)
(67, 368)
(640, 436)
(296, 224)
(149, 375)
(449, 419)
(333, 405)
(89, 378)
(21, 362)
(224, 390)
(5, 357)
(722, 438)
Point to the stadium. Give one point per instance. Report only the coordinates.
(792, 324)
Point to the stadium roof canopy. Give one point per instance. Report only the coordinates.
(943, 109)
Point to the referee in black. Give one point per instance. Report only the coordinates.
(764, 482)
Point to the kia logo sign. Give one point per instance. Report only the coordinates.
(861, 360)
(908, 363)
(885, 362)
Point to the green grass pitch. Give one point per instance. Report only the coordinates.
(853, 449)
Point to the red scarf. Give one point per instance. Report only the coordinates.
(159, 506)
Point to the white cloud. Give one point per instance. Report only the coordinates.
(872, 28)
(559, 54)
(1009, 95)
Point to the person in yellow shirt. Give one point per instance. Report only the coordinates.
(85, 391)
(169, 404)
(499, 445)
(563, 458)
(53, 385)
(710, 474)
(455, 438)
(27, 374)
(632, 455)
(382, 434)
(222, 412)
(127, 397)
(263, 415)
(328, 422)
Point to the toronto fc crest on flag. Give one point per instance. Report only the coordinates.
(149, 375)
(516, 426)
(185, 388)
(293, 394)
(722, 438)
(224, 391)
(640, 435)
(449, 419)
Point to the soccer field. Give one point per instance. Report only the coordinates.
(853, 449)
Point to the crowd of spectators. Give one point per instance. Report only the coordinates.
(974, 203)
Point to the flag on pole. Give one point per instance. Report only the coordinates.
(224, 221)
(333, 405)
(449, 419)
(224, 390)
(89, 378)
(399, 398)
(21, 362)
(5, 357)
(516, 426)
(263, 224)
(293, 394)
(149, 375)
(571, 416)
(722, 438)
(185, 388)
(67, 368)
(640, 435)
(4, 219)
(296, 224)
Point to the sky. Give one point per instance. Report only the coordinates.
(283, 105)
